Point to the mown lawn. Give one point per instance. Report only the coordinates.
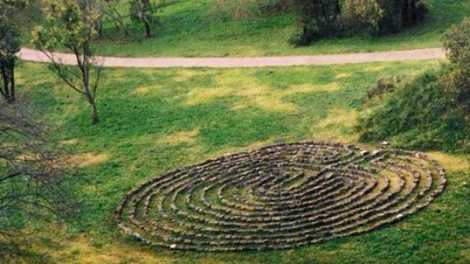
(154, 121)
(197, 28)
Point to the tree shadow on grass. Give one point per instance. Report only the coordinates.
(15, 253)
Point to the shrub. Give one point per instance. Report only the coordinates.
(457, 82)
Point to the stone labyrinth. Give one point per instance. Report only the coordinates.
(280, 197)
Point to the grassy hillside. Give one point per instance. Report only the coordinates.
(196, 28)
(418, 115)
(154, 121)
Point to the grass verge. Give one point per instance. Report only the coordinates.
(154, 121)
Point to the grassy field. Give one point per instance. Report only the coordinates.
(195, 28)
(154, 121)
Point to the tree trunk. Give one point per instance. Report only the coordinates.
(12, 81)
(99, 22)
(405, 14)
(99, 28)
(398, 15)
(337, 8)
(94, 111)
(94, 114)
(414, 15)
(8, 77)
(6, 92)
(148, 29)
(85, 69)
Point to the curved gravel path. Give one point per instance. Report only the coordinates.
(227, 62)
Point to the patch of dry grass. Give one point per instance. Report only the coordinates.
(83, 160)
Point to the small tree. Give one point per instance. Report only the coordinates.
(32, 182)
(9, 46)
(457, 81)
(142, 11)
(71, 24)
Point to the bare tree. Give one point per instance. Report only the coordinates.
(71, 24)
(32, 182)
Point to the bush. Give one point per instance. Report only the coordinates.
(457, 81)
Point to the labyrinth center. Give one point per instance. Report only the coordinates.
(280, 197)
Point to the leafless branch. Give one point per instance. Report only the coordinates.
(31, 179)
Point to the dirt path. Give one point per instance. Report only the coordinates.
(155, 62)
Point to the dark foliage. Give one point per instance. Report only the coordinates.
(320, 18)
(327, 18)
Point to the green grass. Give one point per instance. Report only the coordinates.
(154, 121)
(194, 28)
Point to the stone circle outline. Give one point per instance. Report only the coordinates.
(342, 180)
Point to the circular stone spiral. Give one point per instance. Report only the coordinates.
(279, 197)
